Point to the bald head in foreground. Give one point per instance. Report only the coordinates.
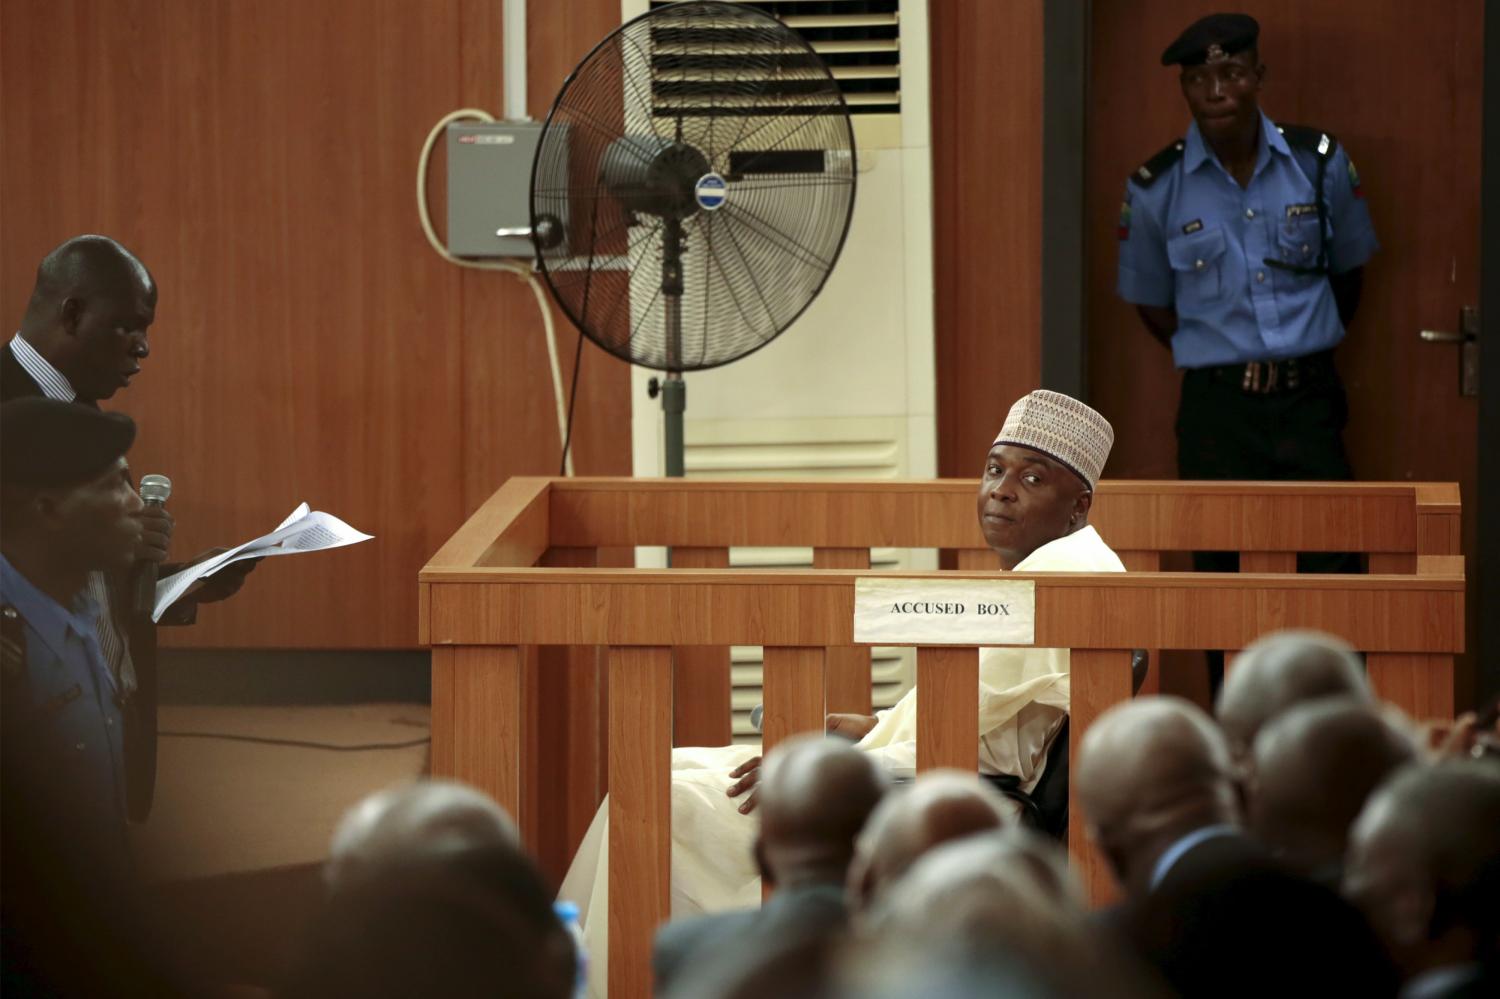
(1314, 767)
(1150, 772)
(1003, 893)
(1004, 884)
(89, 313)
(815, 796)
(462, 921)
(423, 818)
(1161, 798)
(1282, 669)
(942, 805)
(1424, 865)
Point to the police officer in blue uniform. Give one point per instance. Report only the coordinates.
(73, 923)
(68, 509)
(1242, 246)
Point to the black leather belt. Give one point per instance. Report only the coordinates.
(1271, 377)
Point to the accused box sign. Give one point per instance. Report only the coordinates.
(944, 612)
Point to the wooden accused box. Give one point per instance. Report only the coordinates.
(555, 679)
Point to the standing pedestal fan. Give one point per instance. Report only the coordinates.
(691, 190)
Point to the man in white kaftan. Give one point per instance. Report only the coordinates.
(1029, 495)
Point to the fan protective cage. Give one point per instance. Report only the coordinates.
(633, 149)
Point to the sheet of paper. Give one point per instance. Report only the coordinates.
(305, 530)
(297, 514)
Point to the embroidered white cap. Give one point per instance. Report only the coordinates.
(1063, 429)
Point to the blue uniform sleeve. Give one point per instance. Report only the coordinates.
(1145, 276)
(1354, 240)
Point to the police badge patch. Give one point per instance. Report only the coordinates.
(1123, 231)
(1354, 180)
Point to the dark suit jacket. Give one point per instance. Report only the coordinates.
(1227, 920)
(14, 381)
(137, 630)
(811, 910)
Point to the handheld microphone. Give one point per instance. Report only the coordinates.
(154, 490)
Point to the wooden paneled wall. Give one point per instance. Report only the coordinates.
(987, 217)
(261, 159)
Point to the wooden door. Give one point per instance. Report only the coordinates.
(1399, 84)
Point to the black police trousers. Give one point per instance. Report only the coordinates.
(1225, 432)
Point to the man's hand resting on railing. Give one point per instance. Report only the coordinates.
(851, 727)
(747, 774)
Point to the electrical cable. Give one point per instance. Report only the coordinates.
(520, 271)
(572, 397)
(298, 743)
(578, 350)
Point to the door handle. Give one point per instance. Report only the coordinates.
(1467, 339)
(1443, 336)
(1468, 328)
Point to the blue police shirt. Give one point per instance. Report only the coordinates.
(64, 726)
(1196, 241)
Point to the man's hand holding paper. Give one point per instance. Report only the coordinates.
(224, 583)
(304, 530)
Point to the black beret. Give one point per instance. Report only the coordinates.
(1230, 32)
(48, 444)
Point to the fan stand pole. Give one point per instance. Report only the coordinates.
(674, 389)
(674, 404)
(673, 396)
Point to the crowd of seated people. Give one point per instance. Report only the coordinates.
(1335, 853)
(1339, 856)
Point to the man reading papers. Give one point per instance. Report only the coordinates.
(1033, 508)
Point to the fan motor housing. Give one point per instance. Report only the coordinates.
(654, 176)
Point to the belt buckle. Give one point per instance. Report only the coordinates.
(1260, 378)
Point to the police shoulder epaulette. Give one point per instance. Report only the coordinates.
(1145, 175)
(1309, 138)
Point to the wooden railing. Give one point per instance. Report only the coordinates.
(527, 634)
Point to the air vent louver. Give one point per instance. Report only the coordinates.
(860, 40)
